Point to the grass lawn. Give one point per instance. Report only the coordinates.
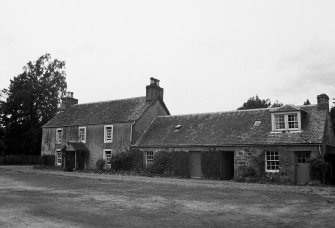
(46, 200)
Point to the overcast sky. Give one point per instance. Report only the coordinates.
(209, 55)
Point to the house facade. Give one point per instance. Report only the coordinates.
(273, 140)
(80, 134)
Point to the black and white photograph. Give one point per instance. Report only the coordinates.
(167, 113)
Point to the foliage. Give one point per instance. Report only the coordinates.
(318, 169)
(210, 164)
(46, 160)
(100, 164)
(307, 102)
(332, 115)
(30, 101)
(169, 164)
(255, 102)
(18, 159)
(126, 161)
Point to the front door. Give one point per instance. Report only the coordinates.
(195, 165)
(303, 167)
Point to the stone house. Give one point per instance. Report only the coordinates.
(80, 134)
(272, 140)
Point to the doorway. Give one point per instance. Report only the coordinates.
(195, 165)
(227, 165)
(303, 167)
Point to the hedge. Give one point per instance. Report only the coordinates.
(170, 164)
(19, 159)
(46, 160)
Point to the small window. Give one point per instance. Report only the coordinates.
(108, 156)
(59, 135)
(108, 133)
(82, 134)
(293, 121)
(58, 157)
(280, 122)
(271, 161)
(286, 122)
(257, 123)
(149, 157)
(303, 157)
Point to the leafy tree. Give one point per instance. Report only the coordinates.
(255, 102)
(30, 101)
(332, 115)
(307, 102)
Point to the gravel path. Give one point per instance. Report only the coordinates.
(216, 184)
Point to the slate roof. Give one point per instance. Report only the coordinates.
(231, 128)
(106, 112)
(286, 108)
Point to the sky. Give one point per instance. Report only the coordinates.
(208, 55)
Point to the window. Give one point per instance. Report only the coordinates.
(108, 133)
(286, 122)
(58, 157)
(303, 157)
(280, 122)
(82, 134)
(292, 121)
(271, 161)
(108, 156)
(149, 157)
(59, 135)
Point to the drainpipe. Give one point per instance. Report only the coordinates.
(131, 132)
(320, 149)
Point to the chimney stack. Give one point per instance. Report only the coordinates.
(153, 90)
(323, 102)
(68, 101)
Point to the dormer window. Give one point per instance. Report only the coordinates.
(286, 121)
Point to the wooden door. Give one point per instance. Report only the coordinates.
(195, 165)
(302, 175)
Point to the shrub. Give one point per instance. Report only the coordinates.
(19, 159)
(46, 160)
(318, 169)
(169, 164)
(100, 164)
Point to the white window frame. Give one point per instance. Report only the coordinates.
(149, 158)
(80, 139)
(287, 128)
(106, 157)
(272, 155)
(105, 134)
(59, 135)
(58, 157)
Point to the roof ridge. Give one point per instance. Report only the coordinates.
(220, 112)
(98, 102)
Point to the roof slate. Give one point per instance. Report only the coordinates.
(286, 108)
(106, 112)
(231, 128)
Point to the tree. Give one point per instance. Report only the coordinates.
(332, 115)
(307, 102)
(30, 101)
(255, 102)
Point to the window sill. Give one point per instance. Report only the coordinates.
(285, 131)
